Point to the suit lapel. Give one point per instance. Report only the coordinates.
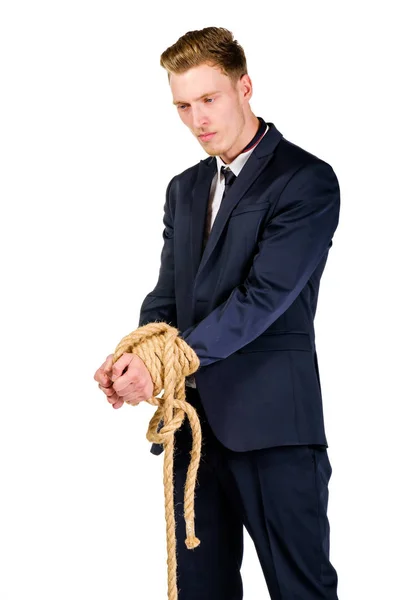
(198, 211)
(258, 160)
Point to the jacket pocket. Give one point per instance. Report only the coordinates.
(239, 210)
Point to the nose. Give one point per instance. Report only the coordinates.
(199, 117)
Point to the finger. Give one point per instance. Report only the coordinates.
(100, 375)
(108, 390)
(133, 400)
(130, 390)
(134, 396)
(107, 371)
(108, 364)
(120, 365)
(133, 377)
(113, 399)
(118, 404)
(110, 393)
(104, 379)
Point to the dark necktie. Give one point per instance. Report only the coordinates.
(229, 179)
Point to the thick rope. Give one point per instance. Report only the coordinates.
(169, 360)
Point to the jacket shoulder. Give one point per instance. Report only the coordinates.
(293, 157)
(184, 181)
(190, 173)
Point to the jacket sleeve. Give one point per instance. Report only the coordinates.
(290, 246)
(159, 304)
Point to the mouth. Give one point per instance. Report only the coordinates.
(206, 136)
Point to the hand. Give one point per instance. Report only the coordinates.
(103, 377)
(132, 385)
(131, 379)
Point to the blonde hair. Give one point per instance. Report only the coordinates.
(212, 45)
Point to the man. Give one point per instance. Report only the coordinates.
(246, 239)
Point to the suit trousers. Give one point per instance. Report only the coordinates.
(279, 494)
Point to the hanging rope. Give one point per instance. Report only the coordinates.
(169, 360)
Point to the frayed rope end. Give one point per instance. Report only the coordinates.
(192, 542)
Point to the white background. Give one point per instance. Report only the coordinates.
(89, 141)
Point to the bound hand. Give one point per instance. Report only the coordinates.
(128, 380)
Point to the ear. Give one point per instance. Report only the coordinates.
(245, 87)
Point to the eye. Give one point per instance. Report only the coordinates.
(181, 106)
(209, 99)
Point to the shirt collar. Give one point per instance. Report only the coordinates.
(238, 163)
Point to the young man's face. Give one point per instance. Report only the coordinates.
(208, 103)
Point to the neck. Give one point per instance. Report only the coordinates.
(249, 131)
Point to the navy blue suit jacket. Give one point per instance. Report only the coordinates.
(247, 304)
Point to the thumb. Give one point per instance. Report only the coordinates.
(120, 365)
(108, 364)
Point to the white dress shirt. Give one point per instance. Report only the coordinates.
(216, 192)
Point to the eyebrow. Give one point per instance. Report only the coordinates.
(175, 102)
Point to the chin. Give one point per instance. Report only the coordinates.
(211, 152)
